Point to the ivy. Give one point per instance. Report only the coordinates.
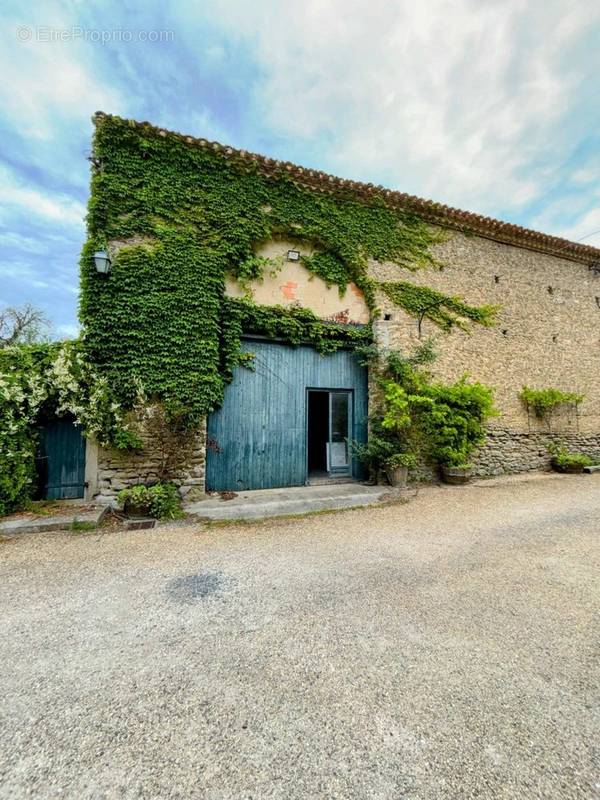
(329, 268)
(22, 393)
(443, 310)
(186, 215)
(543, 402)
(294, 326)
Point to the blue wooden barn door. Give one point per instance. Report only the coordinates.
(61, 460)
(258, 438)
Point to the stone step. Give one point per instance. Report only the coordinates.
(283, 502)
(592, 468)
(61, 521)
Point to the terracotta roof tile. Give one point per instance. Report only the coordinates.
(433, 212)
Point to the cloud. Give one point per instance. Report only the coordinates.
(452, 99)
(15, 195)
(67, 331)
(50, 81)
(586, 229)
(13, 240)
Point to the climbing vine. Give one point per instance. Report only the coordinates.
(545, 402)
(293, 325)
(443, 310)
(183, 216)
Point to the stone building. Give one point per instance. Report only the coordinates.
(289, 419)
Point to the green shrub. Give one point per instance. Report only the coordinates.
(161, 499)
(453, 419)
(561, 457)
(446, 422)
(375, 453)
(544, 401)
(401, 460)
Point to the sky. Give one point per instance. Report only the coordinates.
(492, 107)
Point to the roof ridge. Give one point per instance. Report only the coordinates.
(434, 212)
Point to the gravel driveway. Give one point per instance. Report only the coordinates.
(448, 648)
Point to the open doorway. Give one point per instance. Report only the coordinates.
(318, 433)
(328, 432)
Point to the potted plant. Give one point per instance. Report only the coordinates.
(456, 473)
(374, 453)
(454, 422)
(563, 461)
(136, 500)
(396, 468)
(161, 500)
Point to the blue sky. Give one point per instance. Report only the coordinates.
(490, 106)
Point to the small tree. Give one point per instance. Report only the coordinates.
(24, 325)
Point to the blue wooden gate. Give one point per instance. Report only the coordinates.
(258, 438)
(61, 460)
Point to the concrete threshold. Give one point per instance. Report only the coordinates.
(293, 500)
(62, 521)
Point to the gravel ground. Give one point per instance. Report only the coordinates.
(447, 648)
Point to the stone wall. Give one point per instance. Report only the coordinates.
(548, 335)
(507, 450)
(548, 331)
(186, 468)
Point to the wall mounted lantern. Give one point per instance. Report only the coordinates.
(102, 262)
(293, 255)
(594, 267)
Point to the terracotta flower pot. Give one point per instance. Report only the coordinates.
(397, 477)
(456, 475)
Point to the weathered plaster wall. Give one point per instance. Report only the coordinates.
(290, 283)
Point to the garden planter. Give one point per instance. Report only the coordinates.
(456, 475)
(571, 469)
(397, 477)
(133, 510)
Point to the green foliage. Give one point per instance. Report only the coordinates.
(452, 418)
(161, 499)
(253, 269)
(329, 267)
(292, 325)
(22, 393)
(45, 380)
(443, 310)
(383, 450)
(401, 460)
(563, 459)
(544, 401)
(79, 526)
(418, 415)
(188, 215)
(374, 453)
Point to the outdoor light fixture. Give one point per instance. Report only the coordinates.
(293, 255)
(594, 267)
(102, 262)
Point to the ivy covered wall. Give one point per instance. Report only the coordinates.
(177, 216)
